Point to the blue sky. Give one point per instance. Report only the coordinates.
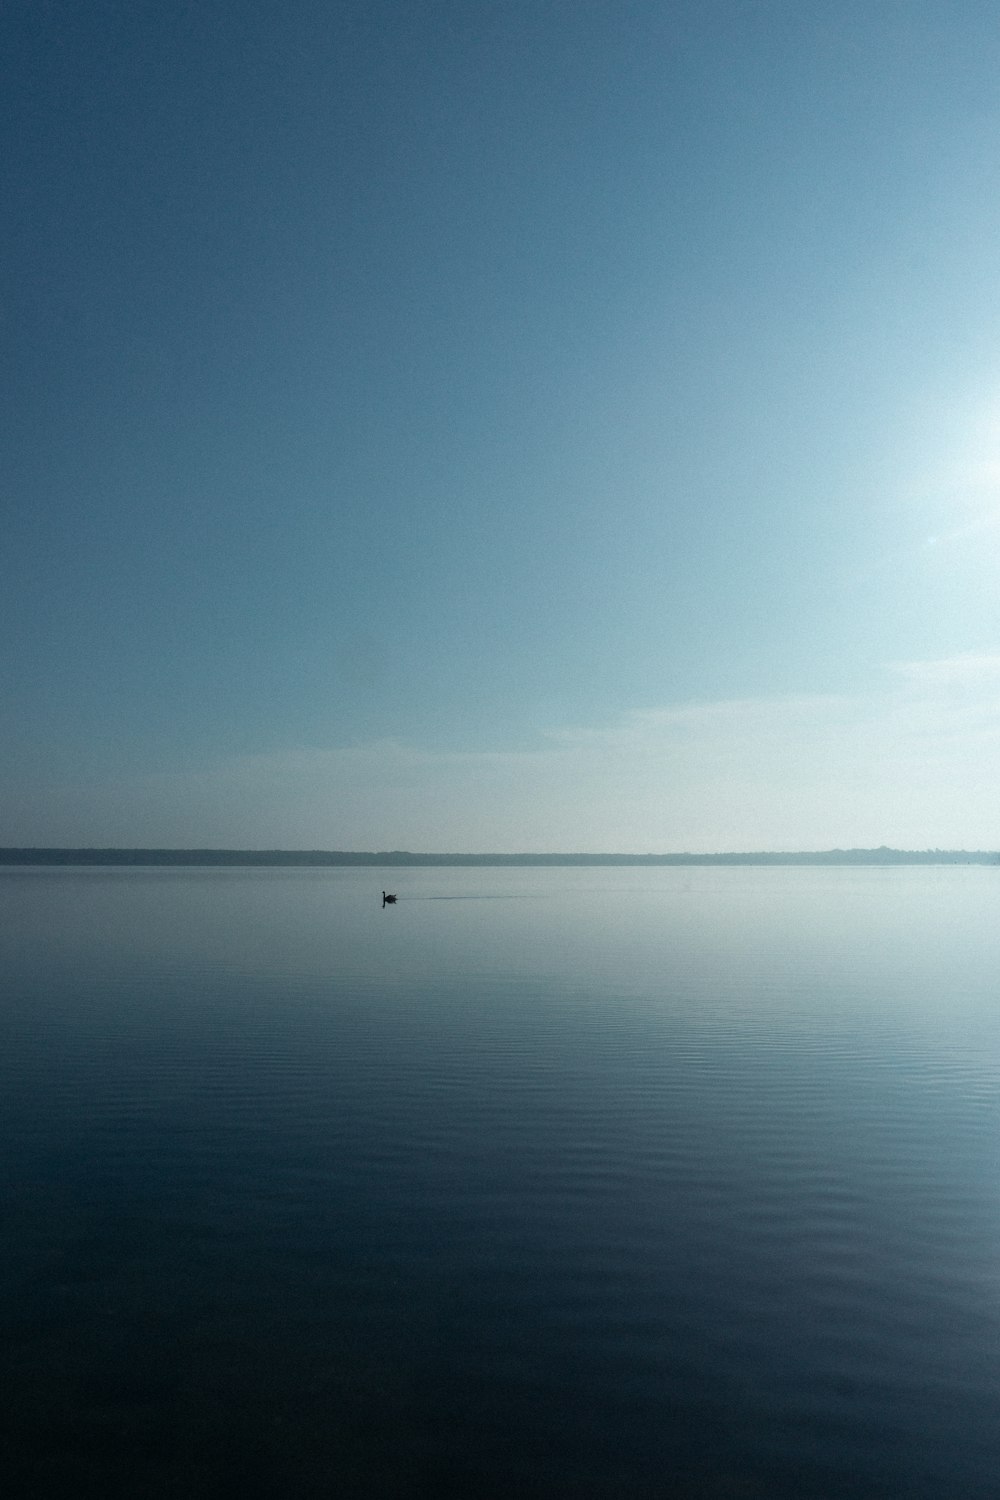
(501, 425)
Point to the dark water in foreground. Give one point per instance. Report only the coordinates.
(575, 1183)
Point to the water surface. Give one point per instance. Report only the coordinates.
(630, 1182)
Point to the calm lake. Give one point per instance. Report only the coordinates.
(542, 1182)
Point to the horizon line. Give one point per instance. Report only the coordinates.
(217, 854)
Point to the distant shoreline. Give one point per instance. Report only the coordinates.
(403, 857)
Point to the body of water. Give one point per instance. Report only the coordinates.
(583, 1183)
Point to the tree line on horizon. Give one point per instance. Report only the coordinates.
(395, 857)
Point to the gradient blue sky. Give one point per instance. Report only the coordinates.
(510, 424)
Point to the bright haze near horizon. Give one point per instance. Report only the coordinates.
(501, 426)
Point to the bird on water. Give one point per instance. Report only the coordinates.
(388, 900)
